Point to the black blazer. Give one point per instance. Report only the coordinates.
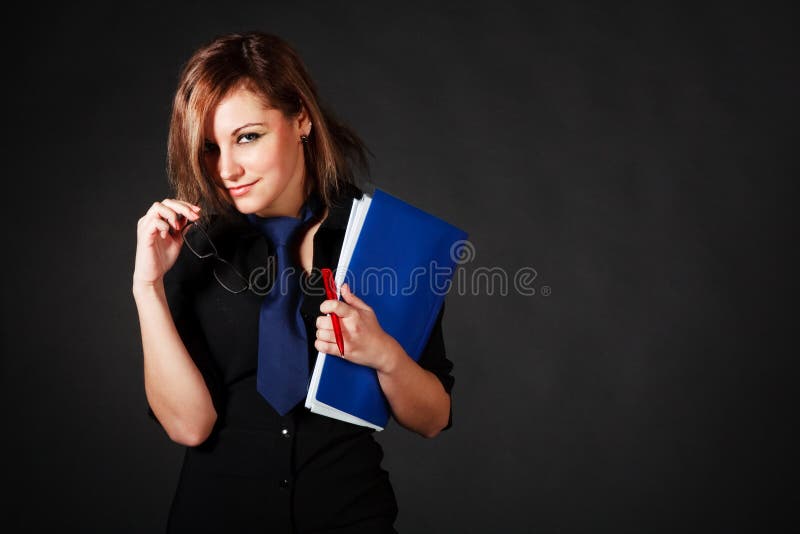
(258, 470)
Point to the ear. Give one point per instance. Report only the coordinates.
(302, 121)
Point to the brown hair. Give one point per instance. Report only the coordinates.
(270, 67)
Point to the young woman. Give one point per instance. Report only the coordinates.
(252, 149)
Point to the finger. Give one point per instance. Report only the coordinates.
(342, 309)
(327, 348)
(160, 210)
(183, 207)
(326, 335)
(183, 211)
(194, 207)
(353, 300)
(159, 227)
(324, 321)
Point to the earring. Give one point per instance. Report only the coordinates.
(304, 139)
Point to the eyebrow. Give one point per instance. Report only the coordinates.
(233, 133)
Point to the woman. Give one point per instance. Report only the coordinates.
(251, 148)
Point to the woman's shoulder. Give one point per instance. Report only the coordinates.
(348, 191)
(340, 205)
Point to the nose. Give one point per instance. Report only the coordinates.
(228, 167)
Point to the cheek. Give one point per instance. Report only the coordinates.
(290, 156)
(272, 157)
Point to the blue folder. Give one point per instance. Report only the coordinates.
(402, 266)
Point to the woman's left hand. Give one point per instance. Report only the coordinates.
(365, 342)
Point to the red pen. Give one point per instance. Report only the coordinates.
(330, 290)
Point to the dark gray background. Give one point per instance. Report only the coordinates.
(641, 159)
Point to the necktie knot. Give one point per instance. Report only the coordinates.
(281, 230)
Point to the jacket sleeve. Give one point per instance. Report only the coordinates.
(179, 286)
(434, 359)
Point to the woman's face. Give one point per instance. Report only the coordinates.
(258, 148)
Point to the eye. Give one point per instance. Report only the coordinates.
(248, 137)
(209, 147)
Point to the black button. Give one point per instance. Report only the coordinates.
(284, 484)
(285, 433)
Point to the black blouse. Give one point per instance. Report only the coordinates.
(258, 471)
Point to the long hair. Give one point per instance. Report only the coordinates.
(270, 67)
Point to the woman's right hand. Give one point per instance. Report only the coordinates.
(159, 239)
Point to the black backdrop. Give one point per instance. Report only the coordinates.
(639, 158)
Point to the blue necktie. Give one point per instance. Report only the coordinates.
(282, 376)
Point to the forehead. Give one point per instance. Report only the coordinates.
(240, 106)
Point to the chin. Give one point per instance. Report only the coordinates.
(248, 206)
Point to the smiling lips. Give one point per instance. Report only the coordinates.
(241, 190)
